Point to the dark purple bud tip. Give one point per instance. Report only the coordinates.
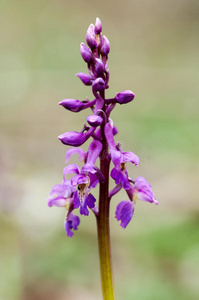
(90, 37)
(105, 45)
(98, 85)
(98, 26)
(85, 53)
(94, 120)
(71, 104)
(85, 78)
(124, 97)
(72, 138)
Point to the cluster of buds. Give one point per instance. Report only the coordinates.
(76, 193)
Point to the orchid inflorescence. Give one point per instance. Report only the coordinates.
(76, 193)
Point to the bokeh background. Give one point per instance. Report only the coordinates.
(154, 52)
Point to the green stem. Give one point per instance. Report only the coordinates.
(103, 228)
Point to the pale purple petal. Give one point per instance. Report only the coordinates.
(80, 151)
(73, 168)
(130, 156)
(120, 177)
(94, 151)
(79, 179)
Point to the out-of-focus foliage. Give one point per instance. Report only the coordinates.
(154, 52)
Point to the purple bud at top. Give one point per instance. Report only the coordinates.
(72, 138)
(105, 45)
(85, 53)
(71, 104)
(98, 85)
(98, 26)
(124, 97)
(94, 120)
(99, 67)
(90, 37)
(85, 78)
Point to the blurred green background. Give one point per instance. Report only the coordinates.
(154, 52)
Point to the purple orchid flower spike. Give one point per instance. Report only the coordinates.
(75, 191)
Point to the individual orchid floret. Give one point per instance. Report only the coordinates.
(125, 97)
(98, 26)
(142, 191)
(62, 195)
(85, 78)
(71, 223)
(90, 37)
(85, 53)
(119, 158)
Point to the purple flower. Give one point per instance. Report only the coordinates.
(124, 212)
(71, 222)
(119, 158)
(141, 191)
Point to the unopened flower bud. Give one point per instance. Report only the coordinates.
(98, 26)
(98, 85)
(85, 78)
(90, 37)
(71, 104)
(124, 97)
(85, 53)
(94, 120)
(105, 45)
(99, 67)
(72, 138)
